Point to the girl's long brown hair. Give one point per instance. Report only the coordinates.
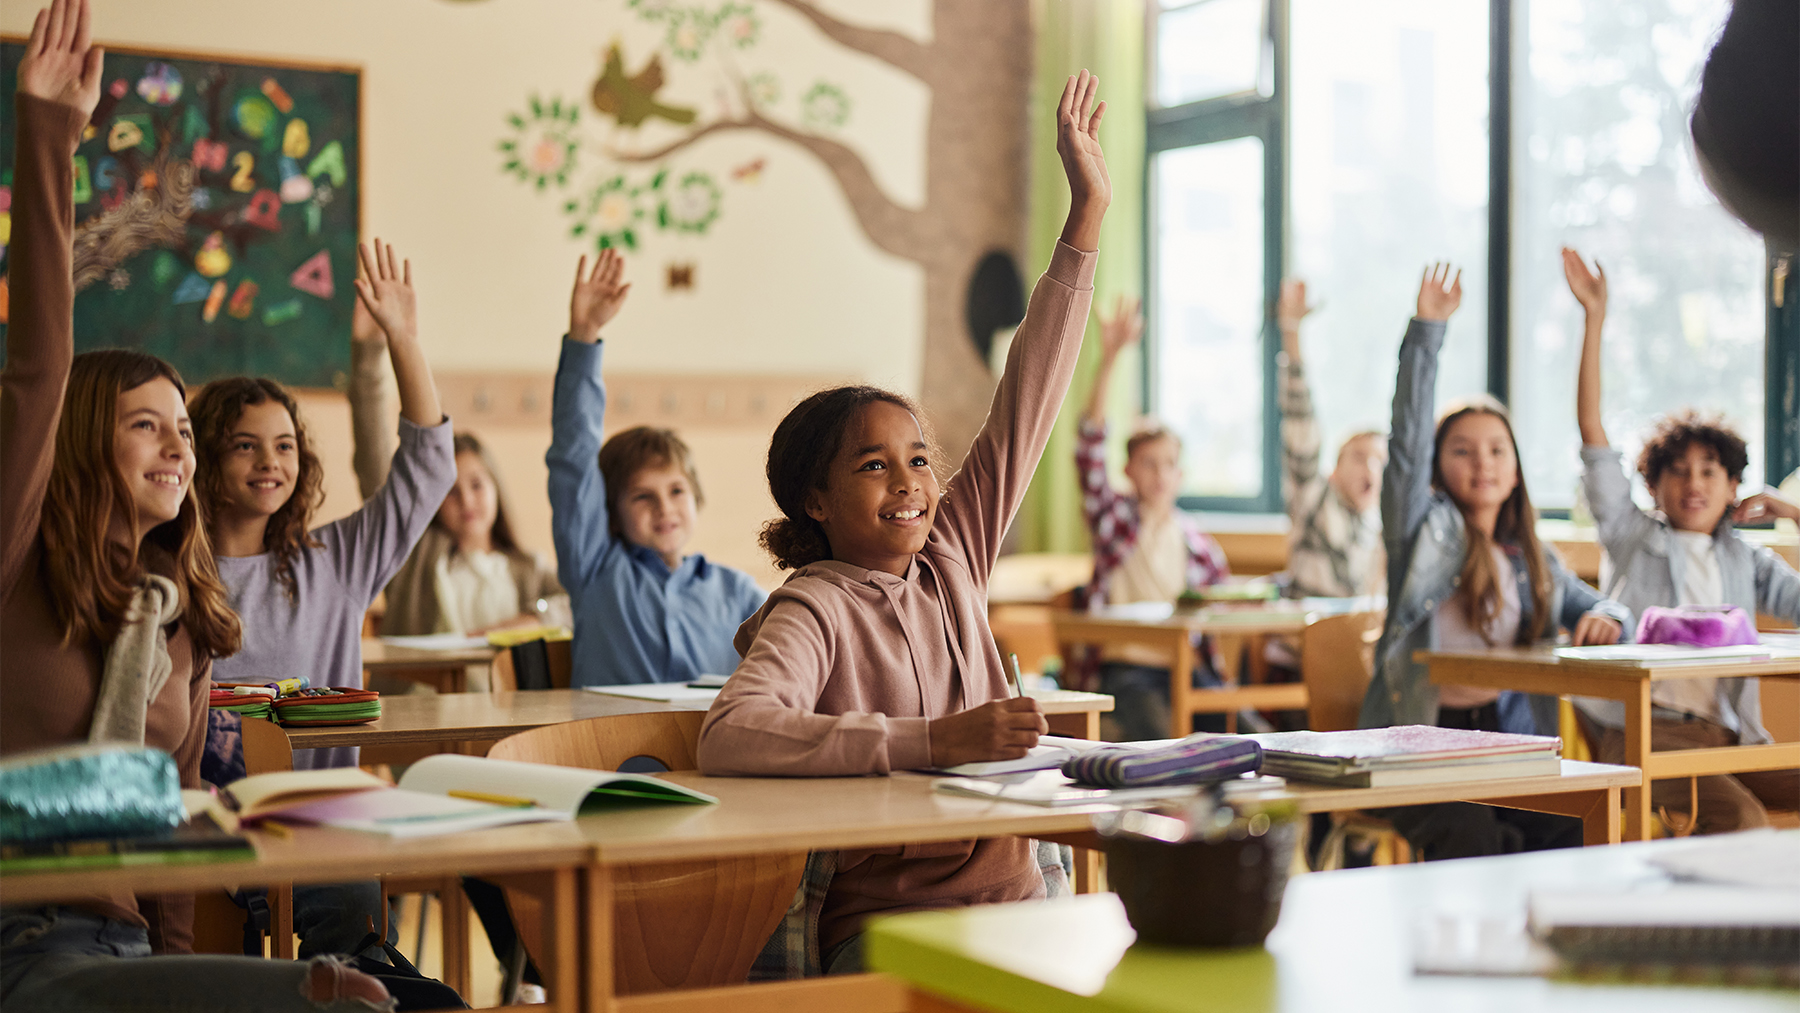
(215, 411)
(1516, 526)
(91, 577)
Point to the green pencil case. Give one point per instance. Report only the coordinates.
(72, 792)
(329, 707)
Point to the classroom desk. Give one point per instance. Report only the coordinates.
(1539, 670)
(411, 727)
(1344, 943)
(446, 671)
(1174, 637)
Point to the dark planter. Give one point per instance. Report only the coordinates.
(1219, 894)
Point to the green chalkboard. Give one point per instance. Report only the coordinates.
(217, 208)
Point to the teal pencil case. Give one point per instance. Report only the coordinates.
(71, 792)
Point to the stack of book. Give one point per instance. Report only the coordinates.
(1407, 754)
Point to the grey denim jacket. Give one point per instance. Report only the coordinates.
(1426, 545)
(1641, 571)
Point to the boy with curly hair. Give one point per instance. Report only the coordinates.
(1687, 553)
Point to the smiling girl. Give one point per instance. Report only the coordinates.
(1466, 571)
(622, 514)
(303, 592)
(876, 656)
(111, 609)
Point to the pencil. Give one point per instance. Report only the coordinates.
(1017, 681)
(482, 796)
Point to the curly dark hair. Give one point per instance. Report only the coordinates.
(215, 410)
(800, 456)
(1675, 433)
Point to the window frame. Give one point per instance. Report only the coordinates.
(1210, 121)
(1253, 114)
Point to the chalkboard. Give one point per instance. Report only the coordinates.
(217, 208)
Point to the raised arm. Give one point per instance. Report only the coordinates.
(578, 516)
(1117, 333)
(1589, 289)
(987, 489)
(58, 86)
(371, 420)
(1406, 486)
(1299, 425)
(386, 289)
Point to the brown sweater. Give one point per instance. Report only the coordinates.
(844, 668)
(47, 688)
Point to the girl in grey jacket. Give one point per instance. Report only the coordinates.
(1465, 569)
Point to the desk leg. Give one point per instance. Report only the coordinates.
(1087, 870)
(1079, 725)
(281, 921)
(1637, 751)
(1598, 810)
(1181, 688)
(597, 939)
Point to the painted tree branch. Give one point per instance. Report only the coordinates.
(895, 229)
(891, 48)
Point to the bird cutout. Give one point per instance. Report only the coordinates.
(632, 100)
(751, 171)
(681, 276)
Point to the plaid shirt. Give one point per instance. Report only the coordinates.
(1112, 519)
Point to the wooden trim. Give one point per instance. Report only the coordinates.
(864, 993)
(1597, 810)
(212, 56)
(487, 398)
(1672, 763)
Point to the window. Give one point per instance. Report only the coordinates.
(1385, 107)
(1602, 162)
(1214, 209)
(1387, 119)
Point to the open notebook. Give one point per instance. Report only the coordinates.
(1050, 752)
(448, 793)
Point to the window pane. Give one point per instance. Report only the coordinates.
(1208, 49)
(1388, 172)
(1603, 163)
(1209, 311)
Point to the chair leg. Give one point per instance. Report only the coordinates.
(456, 934)
(419, 939)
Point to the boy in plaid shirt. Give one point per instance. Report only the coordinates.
(1144, 548)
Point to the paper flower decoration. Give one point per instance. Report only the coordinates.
(541, 150)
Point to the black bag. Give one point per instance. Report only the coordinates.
(410, 989)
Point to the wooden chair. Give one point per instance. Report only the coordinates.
(676, 924)
(266, 749)
(1337, 660)
(503, 678)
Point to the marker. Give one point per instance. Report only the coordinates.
(1017, 681)
(482, 796)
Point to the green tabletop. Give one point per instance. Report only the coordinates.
(1344, 942)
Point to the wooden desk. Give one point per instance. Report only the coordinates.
(1174, 637)
(1539, 670)
(444, 670)
(1344, 942)
(414, 726)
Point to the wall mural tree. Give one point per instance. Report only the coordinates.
(977, 67)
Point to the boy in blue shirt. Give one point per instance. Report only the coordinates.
(621, 515)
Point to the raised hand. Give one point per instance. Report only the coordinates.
(1291, 306)
(1078, 145)
(597, 296)
(363, 328)
(1121, 330)
(61, 64)
(1589, 289)
(997, 730)
(1440, 293)
(387, 292)
(1765, 506)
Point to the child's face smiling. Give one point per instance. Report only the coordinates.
(1694, 491)
(882, 495)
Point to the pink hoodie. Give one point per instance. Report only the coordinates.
(845, 667)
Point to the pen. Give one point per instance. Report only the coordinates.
(1017, 681)
(482, 796)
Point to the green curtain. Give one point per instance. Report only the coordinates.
(1106, 37)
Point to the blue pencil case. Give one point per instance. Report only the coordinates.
(73, 792)
(1197, 759)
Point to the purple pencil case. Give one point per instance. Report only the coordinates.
(1696, 626)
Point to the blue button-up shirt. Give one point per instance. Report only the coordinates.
(635, 619)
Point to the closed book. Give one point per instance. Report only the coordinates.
(1334, 754)
(1397, 777)
(200, 839)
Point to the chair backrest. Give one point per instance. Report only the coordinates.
(266, 747)
(1337, 659)
(605, 743)
(504, 676)
(675, 925)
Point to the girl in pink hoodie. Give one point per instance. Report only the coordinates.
(875, 655)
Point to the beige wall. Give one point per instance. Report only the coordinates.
(786, 283)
